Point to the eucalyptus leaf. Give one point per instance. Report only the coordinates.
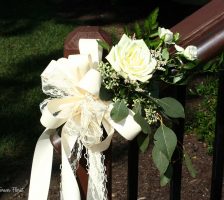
(143, 142)
(165, 54)
(189, 66)
(171, 107)
(160, 160)
(143, 123)
(165, 141)
(166, 177)
(177, 78)
(119, 112)
(189, 165)
(137, 108)
(164, 180)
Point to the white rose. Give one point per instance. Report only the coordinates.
(132, 59)
(166, 34)
(190, 52)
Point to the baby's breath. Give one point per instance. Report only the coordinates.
(150, 114)
(109, 76)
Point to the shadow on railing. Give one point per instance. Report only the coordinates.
(204, 29)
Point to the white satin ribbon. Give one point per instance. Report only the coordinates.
(41, 168)
(76, 85)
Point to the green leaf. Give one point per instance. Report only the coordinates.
(152, 18)
(165, 141)
(138, 30)
(143, 142)
(147, 26)
(171, 107)
(166, 177)
(154, 43)
(143, 123)
(189, 165)
(104, 45)
(105, 94)
(154, 34)
(126, 30)
(165, 54)
(177, 78)
(160, 160)
(119, 111)
(137, 108)
(189, 65)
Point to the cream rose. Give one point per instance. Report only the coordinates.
(190, 52)
(166, 34)
(132, 59)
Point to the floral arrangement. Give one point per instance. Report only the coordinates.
(120, 92)
(130, 76)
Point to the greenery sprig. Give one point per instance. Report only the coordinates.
(130, 76)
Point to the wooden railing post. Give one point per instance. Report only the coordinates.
(71, 47)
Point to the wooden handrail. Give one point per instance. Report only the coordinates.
(204, 29)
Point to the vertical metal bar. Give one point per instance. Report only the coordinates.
(175, 184)
(133, 154)
(218, 155)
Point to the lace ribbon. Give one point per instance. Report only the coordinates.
(74, 84)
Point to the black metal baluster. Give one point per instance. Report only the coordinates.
(218, 155)
(175, 184)
(133, 153)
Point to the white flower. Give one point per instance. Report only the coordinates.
(166, 34)
(132, 59)
(190, 52)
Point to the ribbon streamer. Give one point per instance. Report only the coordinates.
(74, 84)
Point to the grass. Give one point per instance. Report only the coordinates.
(203, 115)
(28, 41)
(31, 34)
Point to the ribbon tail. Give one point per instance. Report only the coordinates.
(97, 177)
(70, 189)
(41, 167)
